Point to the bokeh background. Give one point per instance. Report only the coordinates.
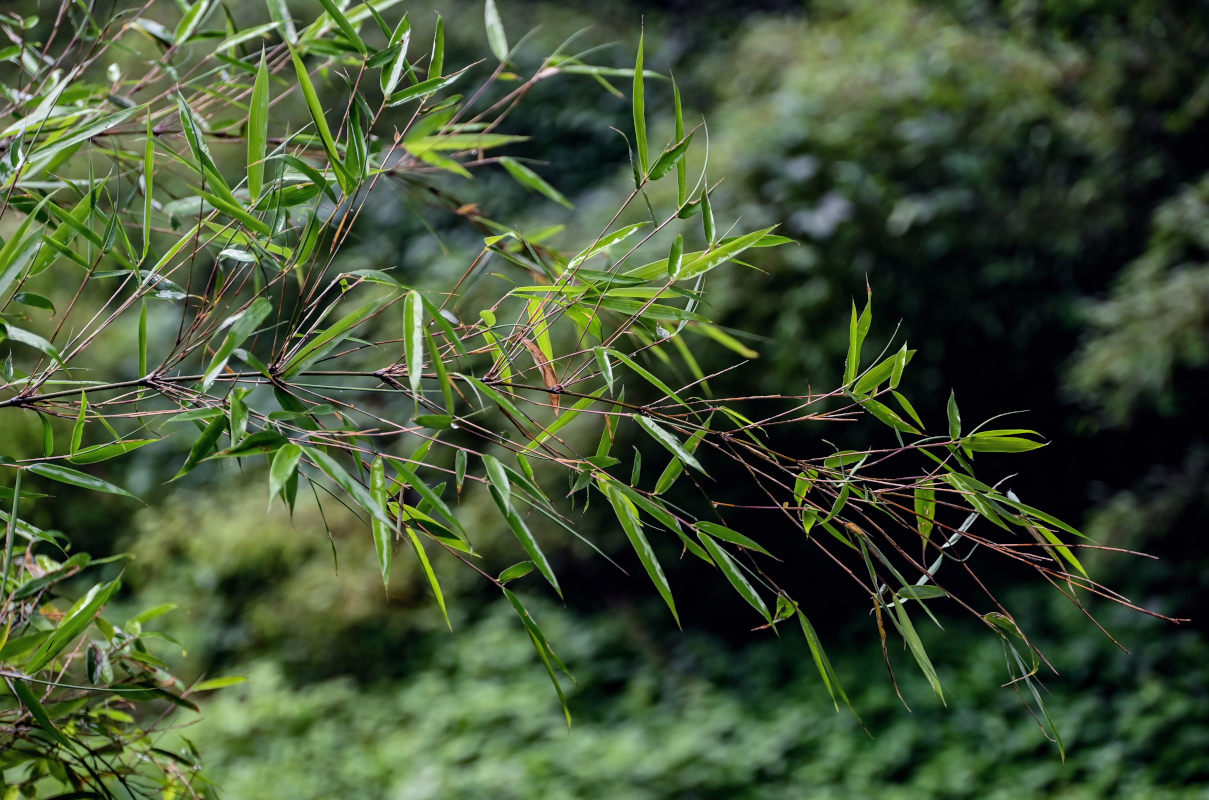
(1024, 185)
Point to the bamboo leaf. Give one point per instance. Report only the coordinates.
(240, 326)
(325, 133)
(674, 445)
(627, 515)
(730, 568)
(638, 105)
(532, 181)
(346, 27)
(497, 40)
(326, 340)
(258, 130)
(383, 532)
(74, 477)
(429, 573)
(79, 617)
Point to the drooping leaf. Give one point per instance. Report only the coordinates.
(631, 524)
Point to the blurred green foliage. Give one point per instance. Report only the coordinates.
(1021, 184)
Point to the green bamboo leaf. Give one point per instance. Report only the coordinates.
(498, 478)
(30, 700)
(383, 533)
(886, 415)
(283, 467)
(190, 21)
(546, 653)
(459, 465)
(400, 41)
(916, 646)
(429, 573)
(698, 263)
(427, 88)
(532, 181)
(258, 130)
(730, 535)
(325, 133)
(74, 477)
(204, 443)
(707, 217)
(606, 366)
(647, 375)
(681, 167)
(497, 40)
(14, 254)
(627, 515)
(675, 258)
(638, 102)
(925, 510)
(104, 452)
(954, 417)
(858, 327)
(730, 568)
(516, 571)
(58, 148)
(670, 158)
(346, 27)
(79, 617)
(408, 476)
(239, 327)
(605, 243)
(325, 341)
(921, 592)
(997, 442)
(884, 370)
(22, 336)
(217, 683)
(436, 62)
(565, 418)
(822, 663)
(500, 400)
(672, 471)
(355, 490)
(669, 441)
(413, 341)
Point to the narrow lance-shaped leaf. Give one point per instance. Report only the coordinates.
(730, 568)
(346, 27)
(413, 341)
(670, 158)
(429, 573)
(532, 181)
(78, 618)
(148, 177)
(544, 651)
(681, 167)
(497, 40)
(326, 340)
(830, 677)
(356, 491)
(638, 102)
(239, 327)
(74, 477)
(29, 699)
(627, 515)
(436, 62)
(382, 531)
(258, 129)
(325, 133)
(283, 467)
(954, 417)
(674, 445)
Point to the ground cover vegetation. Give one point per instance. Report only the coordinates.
(243, 244)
